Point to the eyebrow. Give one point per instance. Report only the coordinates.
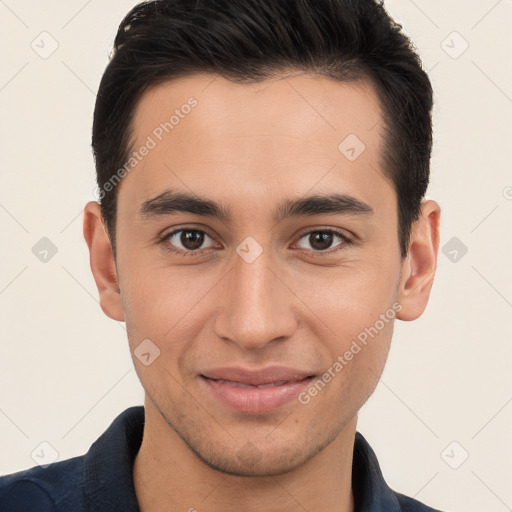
(172, 201)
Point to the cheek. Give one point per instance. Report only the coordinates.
(355, 365)
(350, 299)
(162, 303)
(354, 311)
(157, 309)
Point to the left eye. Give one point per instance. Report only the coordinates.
(322, 240)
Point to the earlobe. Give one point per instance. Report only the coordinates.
(102, 261)
(418, 268)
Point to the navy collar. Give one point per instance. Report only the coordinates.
(108, 466)
(108, 470)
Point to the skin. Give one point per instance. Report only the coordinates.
(249, 147)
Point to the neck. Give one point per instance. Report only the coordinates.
(169, 476)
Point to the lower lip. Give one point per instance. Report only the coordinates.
(255, 400)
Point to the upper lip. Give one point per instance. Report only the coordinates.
(257, 376)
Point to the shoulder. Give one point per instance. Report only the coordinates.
(43, 489)
(87, 482)
(370, 488)
(408, 504)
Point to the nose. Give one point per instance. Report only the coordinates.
(255, 306)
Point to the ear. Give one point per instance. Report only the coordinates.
(102, 262)
(418, 268)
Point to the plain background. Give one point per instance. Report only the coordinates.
(65, 370)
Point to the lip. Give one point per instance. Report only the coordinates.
(255, 391)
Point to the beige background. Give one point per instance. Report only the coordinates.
(65, 371)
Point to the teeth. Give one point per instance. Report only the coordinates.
(242, 385)
(236, 384)
(273, 384)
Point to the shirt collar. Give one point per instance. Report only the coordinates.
(108, 466)
(108, 470)
(371, 493)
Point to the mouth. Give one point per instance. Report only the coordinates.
(249, 386)
(255, 392)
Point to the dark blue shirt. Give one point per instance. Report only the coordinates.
(102, 479)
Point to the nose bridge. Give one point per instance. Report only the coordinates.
(257, 308)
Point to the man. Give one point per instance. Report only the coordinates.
(261, 169)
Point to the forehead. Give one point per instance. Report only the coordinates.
(275, 137)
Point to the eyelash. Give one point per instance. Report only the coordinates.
(164, 240)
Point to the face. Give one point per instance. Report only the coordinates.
(284, 253)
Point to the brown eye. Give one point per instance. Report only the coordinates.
(191, 240)
(187, 241)
(319, 241)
